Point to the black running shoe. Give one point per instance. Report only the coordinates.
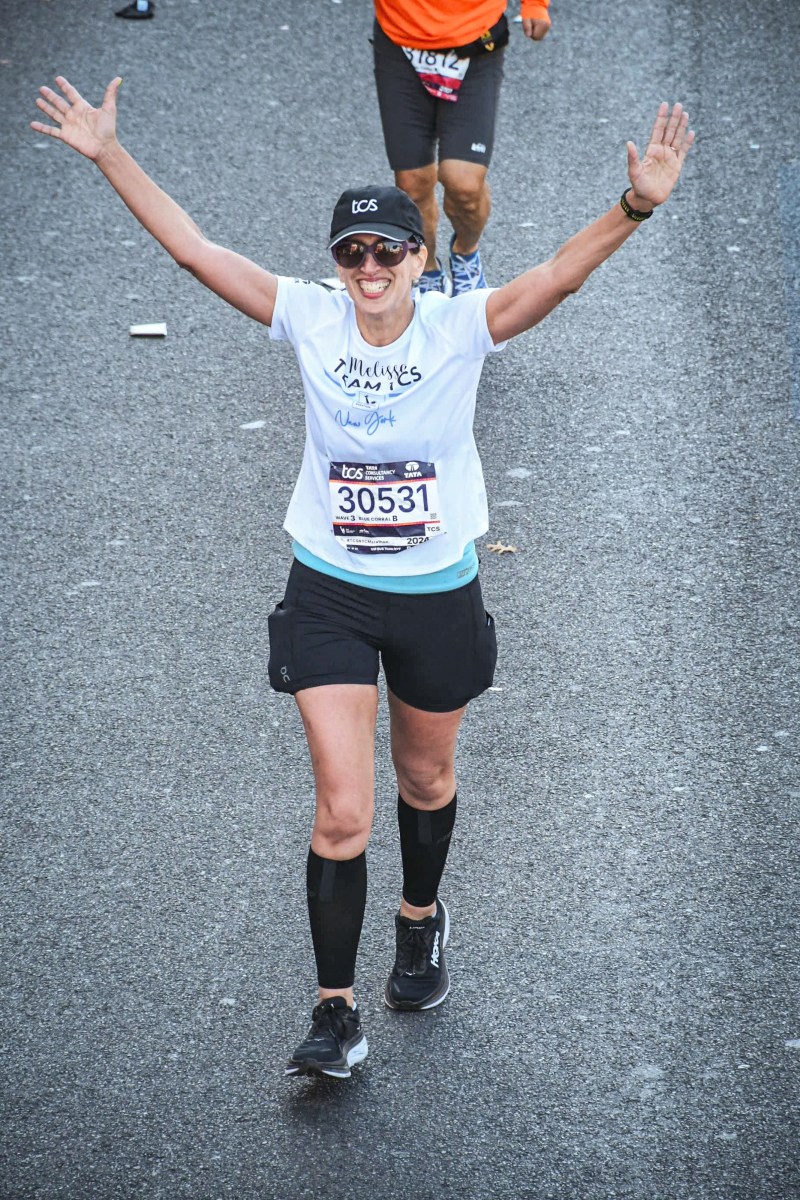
(334, 1043)
(419, 977)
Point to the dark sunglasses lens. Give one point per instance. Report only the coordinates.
(348, 254)
(389, 254)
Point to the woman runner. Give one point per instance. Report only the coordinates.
(388, 503)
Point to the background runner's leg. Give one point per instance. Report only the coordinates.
(420, 185)
(467, 201)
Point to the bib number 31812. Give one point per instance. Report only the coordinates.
(382, 508)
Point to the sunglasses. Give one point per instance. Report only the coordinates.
(351, 254)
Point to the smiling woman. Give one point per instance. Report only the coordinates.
(384, 515)
(378, 245)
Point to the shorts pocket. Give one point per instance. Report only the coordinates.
(280, 666)
(485, 654)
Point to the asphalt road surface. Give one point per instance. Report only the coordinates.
(623, 882)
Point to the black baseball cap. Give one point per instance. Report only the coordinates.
(385, 211)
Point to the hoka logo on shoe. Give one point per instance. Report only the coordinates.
(435, 951)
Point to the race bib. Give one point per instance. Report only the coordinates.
(382, 508)
(441, 72)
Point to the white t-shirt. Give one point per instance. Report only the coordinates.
(391, 481)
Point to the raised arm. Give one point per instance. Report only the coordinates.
(92, 132)
(528, 299)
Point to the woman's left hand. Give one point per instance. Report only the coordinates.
(654, 176)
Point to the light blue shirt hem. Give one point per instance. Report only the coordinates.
(446, 580)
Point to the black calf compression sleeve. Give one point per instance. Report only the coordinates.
(424, 842)
(337, 895)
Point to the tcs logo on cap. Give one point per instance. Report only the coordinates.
(360, 206)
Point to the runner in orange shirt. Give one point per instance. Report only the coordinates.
(438, 71)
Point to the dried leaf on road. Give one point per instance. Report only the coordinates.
(501, 548)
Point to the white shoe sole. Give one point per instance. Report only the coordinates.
(433, 1003)
(355, 1055)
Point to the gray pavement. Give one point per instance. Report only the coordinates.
(624, 879)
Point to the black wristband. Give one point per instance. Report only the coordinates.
(632, 212)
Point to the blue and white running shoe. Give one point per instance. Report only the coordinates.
(466, 270)
(434, 280)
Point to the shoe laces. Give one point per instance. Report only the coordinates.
(432, 281)
(433, 284)
(413, 948)
(327, 1019)
(467, 271)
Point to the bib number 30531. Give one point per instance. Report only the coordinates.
(382, 508)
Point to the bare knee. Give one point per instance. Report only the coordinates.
(466, 200)
(466, 192)
(419, 184)
(342, 826)
(426, 785)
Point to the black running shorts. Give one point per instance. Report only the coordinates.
(413, 120)
(438, 649)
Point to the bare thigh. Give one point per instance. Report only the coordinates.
(423, 752)
(339, 721)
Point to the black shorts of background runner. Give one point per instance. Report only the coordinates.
(413, 120)
(438, 649)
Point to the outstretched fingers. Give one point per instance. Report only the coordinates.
(88, 130)
(655, 175)
(50, 110)
(673, 124)
(679, 137)
(53, 98)
(633, 157)
(53, 106)
(681, 132)
(685, 145)
(110, 97)
(672, 131)
(72, 94)
(40, 127)
(660, 123)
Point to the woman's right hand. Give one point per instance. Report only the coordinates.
(90, 131)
